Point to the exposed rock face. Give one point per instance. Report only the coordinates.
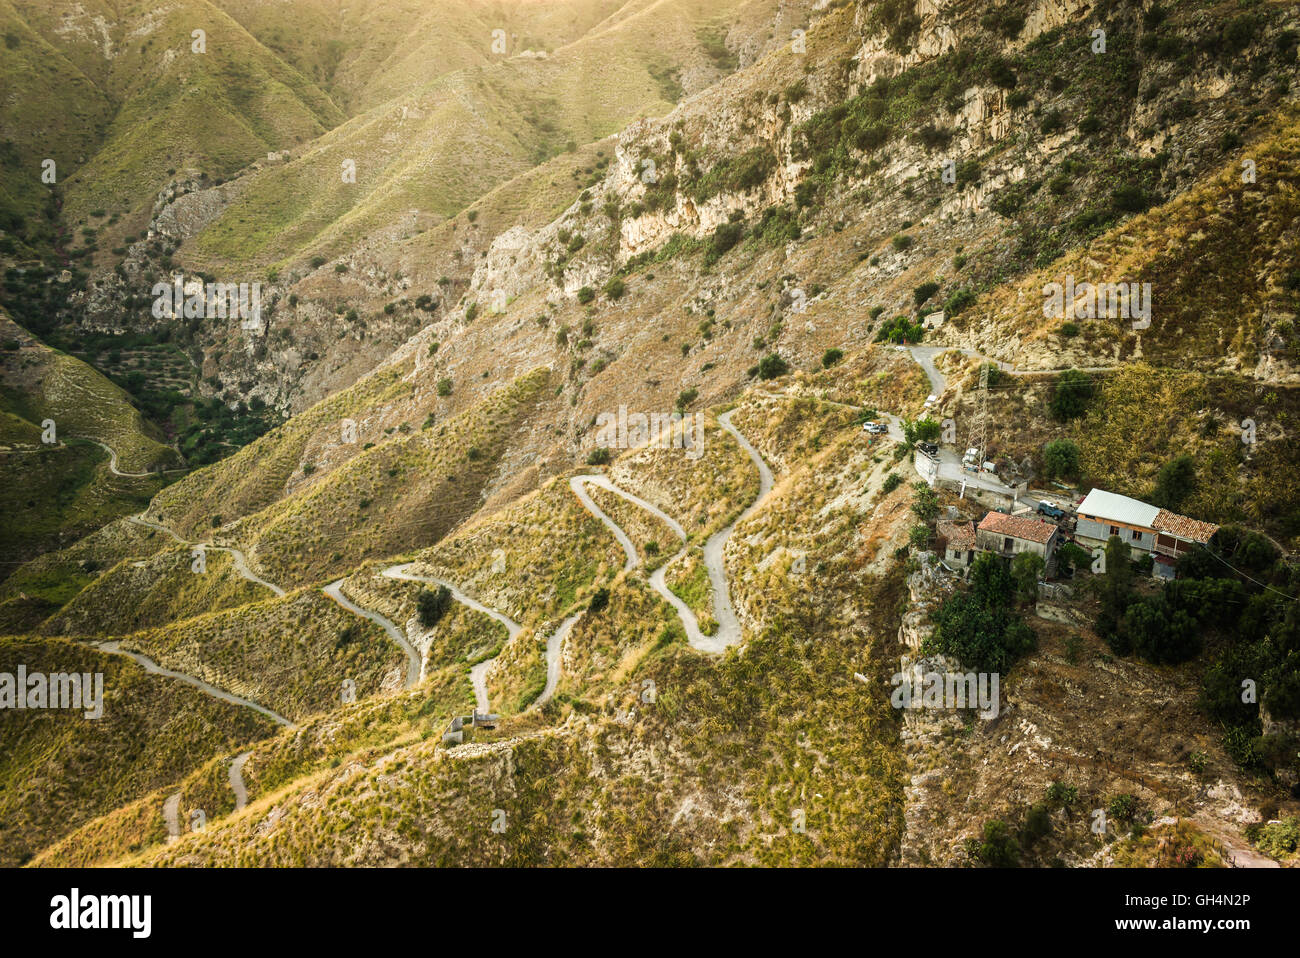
(927, 588)
(183, 209)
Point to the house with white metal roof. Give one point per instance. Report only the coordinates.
(1146, 529)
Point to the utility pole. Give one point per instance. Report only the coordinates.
(979, 432)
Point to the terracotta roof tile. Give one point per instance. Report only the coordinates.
(1021, 527)
(959, 533)
(1183, 527)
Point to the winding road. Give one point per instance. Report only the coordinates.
(414, 661)
(729, 631)
(172, 816)
(152, 667)
(240, 560)
(477, 674)
(554, 645)
(112, 462)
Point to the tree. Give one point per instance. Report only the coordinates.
(599, 600)
(926, 503)
(924, 429)
(979, 627)
(1061, 459)
(1116, 592)
(998, 848)
(771, 366)
(1160, 634)
(1175, 482)
(900, 329)
(724, 238)
(1071, 557)
(1071, 396)
(831, 357)
(924, 292)
(431, 606)
(1026, 570)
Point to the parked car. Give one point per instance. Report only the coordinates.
(875, 428)
(929, 448)
(1051, 511)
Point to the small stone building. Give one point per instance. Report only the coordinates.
(959, 552)
(1009, 536)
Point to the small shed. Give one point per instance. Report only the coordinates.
(959, 536)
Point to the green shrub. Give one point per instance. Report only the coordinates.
(724, 238)
(771, 366)
(978, 626)
(959, 299)
(1071, 395)
(1061, 459)
(1123, 808)
(997, 849)
(432, 605)
(924, 292)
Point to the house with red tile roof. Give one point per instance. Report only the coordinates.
(1008, 536)
(1144, 528)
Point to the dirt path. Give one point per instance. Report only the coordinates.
(579, 486)
(1236, 850)
(240, 560)
(172, 816)
(112, 462)
(729, 631)
(658, 579)
(554, 646)
(237, 780)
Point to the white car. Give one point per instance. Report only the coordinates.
(875, 428)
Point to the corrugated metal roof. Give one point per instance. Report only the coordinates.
(1117, 508)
